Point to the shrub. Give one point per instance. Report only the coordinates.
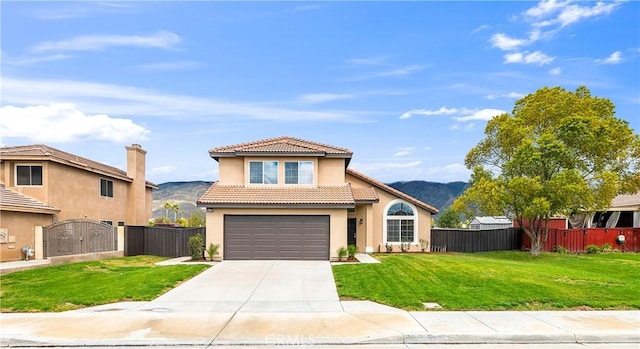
(560, 249)
(342, 252)
(351, 251)
(404, 246)
(389, 248)
(593, 249)
(212, 250)
(606, 247)
(196, 246)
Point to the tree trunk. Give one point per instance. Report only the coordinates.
(535, 237)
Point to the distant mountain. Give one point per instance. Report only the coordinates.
(184, 193)
(439, 195)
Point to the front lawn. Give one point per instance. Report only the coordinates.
(78, 285)
(496, 281)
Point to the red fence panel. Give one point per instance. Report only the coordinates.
(577, 240)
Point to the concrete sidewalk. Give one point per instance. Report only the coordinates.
(144, 324)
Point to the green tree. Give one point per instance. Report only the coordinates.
(449, 218)
(558, 152)
(196, 219)
(175, 207)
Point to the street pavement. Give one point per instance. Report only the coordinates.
(276, 303)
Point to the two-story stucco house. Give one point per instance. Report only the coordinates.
(288, 198)
(41, 185)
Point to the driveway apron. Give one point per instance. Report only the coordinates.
(256, 286)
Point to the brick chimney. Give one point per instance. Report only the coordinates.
(137, 212)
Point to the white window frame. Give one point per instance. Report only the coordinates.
(113, 190)
(277, 163)
(298, 172)
(414, 218)
(15, 173)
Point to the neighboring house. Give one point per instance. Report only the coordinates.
(288, 198)
(490, 222)
(41, 185)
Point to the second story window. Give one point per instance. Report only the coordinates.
(299, 172)
(28, 175)
(106, 188)
(263, 172)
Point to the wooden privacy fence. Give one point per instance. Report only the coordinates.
(466, 240)
(158, 241)
(577, 240)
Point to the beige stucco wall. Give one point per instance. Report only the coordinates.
(76, 193)
(20, 228)
(331, 171)
(337, 218)
(231, 171)
(376, 219)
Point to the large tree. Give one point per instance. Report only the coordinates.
(557, 153)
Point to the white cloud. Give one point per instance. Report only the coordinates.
(162, 40)
(169, 66)
(575, 13)
(563, 13)
(544, 8)
(398, 72)
(481, 114)
(555, 71)
(613, 58)
(536, 57)
(125, 100)
(63, 122)
(160, 170)
(481, 28)
(510, 95)
(403, 151)
(503, 42)
(315, 98)
(384, 165)
(28, 60)
(425, 112)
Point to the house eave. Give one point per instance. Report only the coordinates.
(275, 205)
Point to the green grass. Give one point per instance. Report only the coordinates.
(78, 285)
(496, 281)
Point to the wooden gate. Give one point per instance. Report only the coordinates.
(79, 236)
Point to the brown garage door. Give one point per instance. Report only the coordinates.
(276, 237)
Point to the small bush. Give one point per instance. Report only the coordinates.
(196, 246)
(593, 249)
(351, 251)
(342, 252)
(606, 247)
(560, 249)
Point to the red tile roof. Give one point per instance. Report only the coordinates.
(234, 195)
(365, 195)
(40, 152)
(14, 201)
(280, 145)
(392, 191)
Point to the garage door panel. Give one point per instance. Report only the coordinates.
(276, 237)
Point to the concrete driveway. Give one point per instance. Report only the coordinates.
(256, 286)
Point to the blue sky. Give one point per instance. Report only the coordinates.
(407, 86)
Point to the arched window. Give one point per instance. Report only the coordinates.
(400, 222)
